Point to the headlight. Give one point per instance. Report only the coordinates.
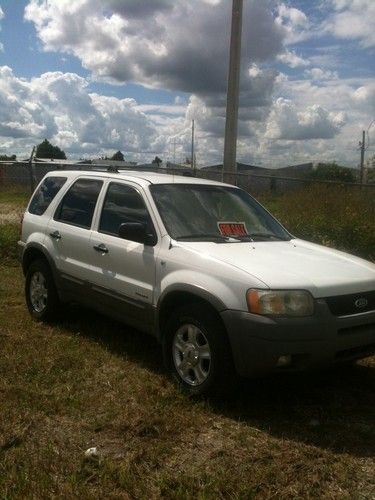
(280, 302)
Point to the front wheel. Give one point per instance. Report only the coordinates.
(40, 292)
(198, 352)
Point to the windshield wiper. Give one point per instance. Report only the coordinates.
(204, 237)
(267, 236)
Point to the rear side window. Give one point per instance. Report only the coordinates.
(123, 204)
(45, 194)
(78, 205)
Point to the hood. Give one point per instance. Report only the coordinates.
(294, 264)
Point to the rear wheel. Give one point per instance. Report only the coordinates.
(41, 296)
(198, 352)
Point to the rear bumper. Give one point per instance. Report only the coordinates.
(321, 340)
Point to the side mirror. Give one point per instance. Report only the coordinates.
(136, 231)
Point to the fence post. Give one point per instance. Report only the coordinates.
(31, 173)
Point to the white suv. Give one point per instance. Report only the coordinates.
(200, 265)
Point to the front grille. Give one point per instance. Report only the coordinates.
(354, 303)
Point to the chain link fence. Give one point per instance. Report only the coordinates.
(335, 213)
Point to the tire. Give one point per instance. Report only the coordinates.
(197, 351)
(40, 292)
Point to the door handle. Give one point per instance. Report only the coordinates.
(101, 248)
(56, 235)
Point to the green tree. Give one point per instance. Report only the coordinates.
(118, 156)
(46, 150)
(333, 172)
(157, 161)
(8, 158)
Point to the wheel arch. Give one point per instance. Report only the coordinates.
(35, 251)
(182, 294)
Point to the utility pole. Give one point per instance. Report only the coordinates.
(362, 165)
(174, 150)
(230, 141)
(192, 147)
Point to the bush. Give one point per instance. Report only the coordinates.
(332, 172)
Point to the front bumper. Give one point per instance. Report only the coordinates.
(258, 342)
(20, 250)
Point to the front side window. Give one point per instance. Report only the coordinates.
(206, 212)
(123, 204)
(45, 193)
(78, 205)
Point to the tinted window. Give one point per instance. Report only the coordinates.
(78, 205)
(122, 204)
(45, 194)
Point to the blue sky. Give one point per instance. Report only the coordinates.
(94, 76)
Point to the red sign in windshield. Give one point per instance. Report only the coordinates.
(232, 228)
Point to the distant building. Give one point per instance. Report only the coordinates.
(178, 166)
(114, 163)
(300, 170)
(241, 167)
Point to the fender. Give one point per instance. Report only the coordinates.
(195, 290)
(198, 291)
(40, 248)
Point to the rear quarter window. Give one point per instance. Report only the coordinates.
(45, 193)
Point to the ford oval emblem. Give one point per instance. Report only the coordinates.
(361, 302)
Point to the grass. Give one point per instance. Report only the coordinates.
(333, 216)
(9, 235)
(90, 382)
(13, 200)
(17, 194)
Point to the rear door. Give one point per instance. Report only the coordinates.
(69, 231)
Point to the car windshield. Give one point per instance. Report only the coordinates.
(219, 213)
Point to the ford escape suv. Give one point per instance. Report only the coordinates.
(201, 266)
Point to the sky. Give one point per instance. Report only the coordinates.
(97, 76)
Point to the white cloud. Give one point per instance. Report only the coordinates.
(290, 58)
(353, 19)
(170, 44)
(293, 16)
(288, 123)
(294, 22)
(176, 44)
(59, 107)
(319, 121)
(335, 110)
(364, 98)
(318, 74)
